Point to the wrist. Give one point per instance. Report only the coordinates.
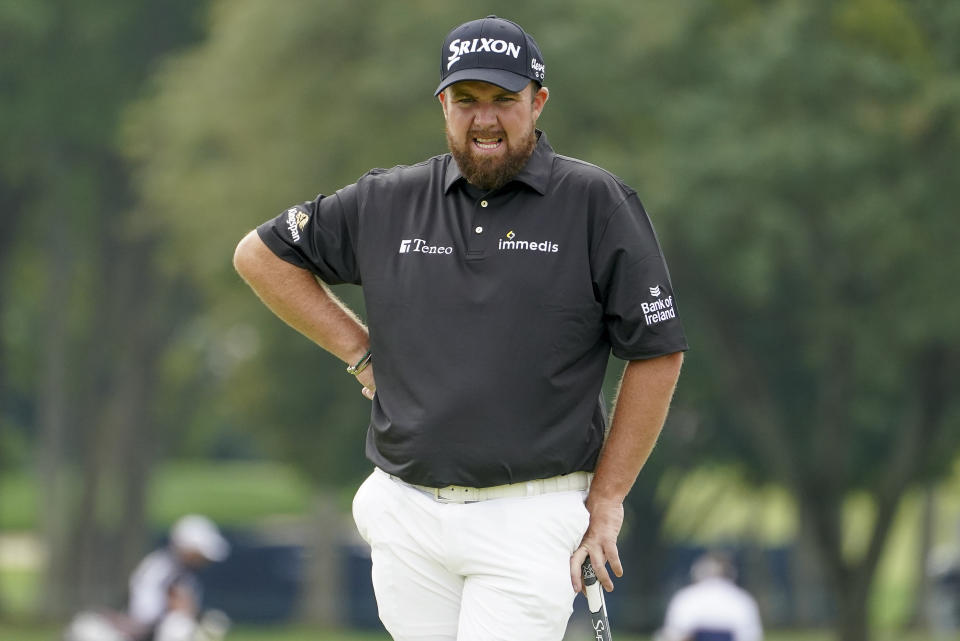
(600, 500)
(360, 364)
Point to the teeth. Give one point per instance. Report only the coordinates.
(487, 143)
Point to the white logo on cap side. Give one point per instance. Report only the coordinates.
(460, 48)
(539, 69)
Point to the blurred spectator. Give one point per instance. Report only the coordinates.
(165, 594)
(943, 604)
(713, 607)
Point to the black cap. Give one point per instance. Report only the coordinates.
(492, 50)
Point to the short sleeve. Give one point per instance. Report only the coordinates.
(318, 235)
(631, 279)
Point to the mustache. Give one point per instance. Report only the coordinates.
(486, 133)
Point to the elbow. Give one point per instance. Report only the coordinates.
(243, 255)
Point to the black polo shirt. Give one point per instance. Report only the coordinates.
(491, 315)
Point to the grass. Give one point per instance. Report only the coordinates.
(240, 494)
(14, 632)
(18, 502)
(18, 588)
(232, 493)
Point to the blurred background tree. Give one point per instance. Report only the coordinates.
(804, 167)
(796, 157)
(83, 307)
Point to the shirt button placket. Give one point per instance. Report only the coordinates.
(479, 224)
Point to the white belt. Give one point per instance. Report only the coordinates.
(577, 481)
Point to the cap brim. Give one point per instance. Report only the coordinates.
(216, 549)
(507, 79)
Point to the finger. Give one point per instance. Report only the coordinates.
(599, 562)
(367, 392)
(576, 563)
(613, 558)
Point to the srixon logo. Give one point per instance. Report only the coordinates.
(459, 48)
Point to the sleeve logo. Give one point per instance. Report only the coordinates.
(296, 221)
(659, 310)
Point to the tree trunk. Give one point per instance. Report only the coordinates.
(852, 615)
(52, 401)
(928, 519)
(133, 327)
(94, 491)
(644, 548)
(10, 204)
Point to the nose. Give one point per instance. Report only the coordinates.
(485, 116)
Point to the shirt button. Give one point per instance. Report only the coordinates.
(483, 203)
(479, 230)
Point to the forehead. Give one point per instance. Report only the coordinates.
(479, 88)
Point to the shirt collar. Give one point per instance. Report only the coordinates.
(535, 174)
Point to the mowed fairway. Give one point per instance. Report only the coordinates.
(14, 632)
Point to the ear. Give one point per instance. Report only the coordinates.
(539, 100)
(442, 97)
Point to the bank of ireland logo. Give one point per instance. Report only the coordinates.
(660, 309)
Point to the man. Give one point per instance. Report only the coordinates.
(497, 278)
(165, 595)
(713, 608)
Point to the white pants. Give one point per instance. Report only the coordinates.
(494, 570)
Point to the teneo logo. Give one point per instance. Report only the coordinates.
(509, 243)
(420, 245)
(460, 48)
(659, 310)
(296, 221)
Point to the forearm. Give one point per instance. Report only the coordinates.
(639, 413)
(300, 300)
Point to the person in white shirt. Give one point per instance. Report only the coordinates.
(165, 594)
(713, 607)
(164, 591)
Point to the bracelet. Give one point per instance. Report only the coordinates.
(361, 364)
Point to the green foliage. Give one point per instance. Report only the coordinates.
(806, 206)
(798, 159)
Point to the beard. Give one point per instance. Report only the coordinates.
(489, 172)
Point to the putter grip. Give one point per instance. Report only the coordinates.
(595, 603)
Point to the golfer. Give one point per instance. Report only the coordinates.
(497, 279)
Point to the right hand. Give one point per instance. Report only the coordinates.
(369, 384)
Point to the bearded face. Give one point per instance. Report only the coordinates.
(490, 171)
(491, 132)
